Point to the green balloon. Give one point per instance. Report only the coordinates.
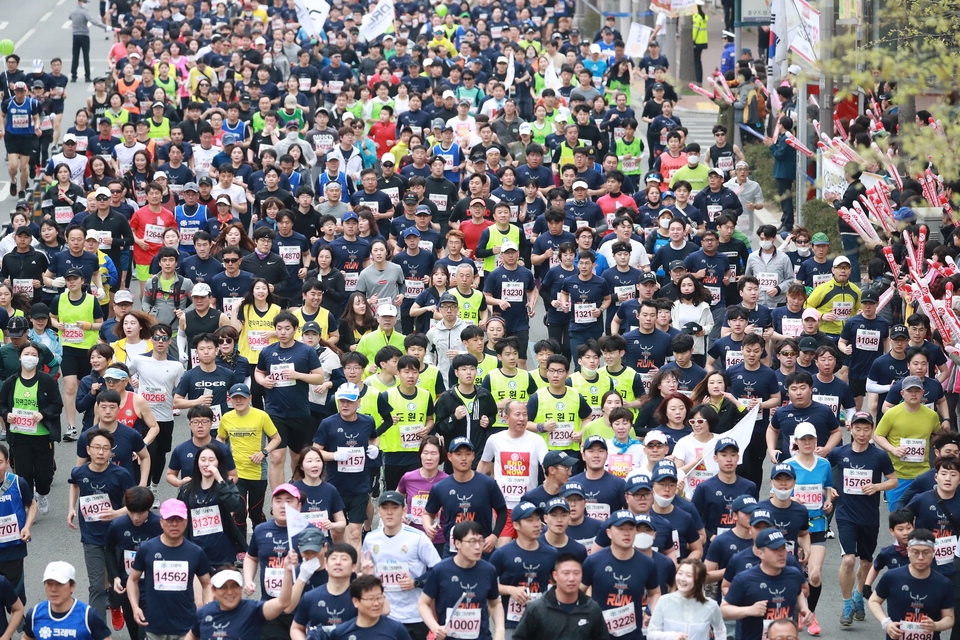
(6, 47)
(441, 11)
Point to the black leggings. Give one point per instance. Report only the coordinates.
(252, 493)
(159, 449)
(32, 458)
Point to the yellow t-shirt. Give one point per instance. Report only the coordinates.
(245, 435)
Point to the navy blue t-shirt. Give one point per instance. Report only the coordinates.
(336, 609)
(713, 499)
(868, 338)
(323, 497)
(94, 485)
(886, 370)
(760, 384)
(932, 392)
(518, 567)
(572, 546)
(726, 353)
(244, 621)
(646, 351)
(780, 592)
(586, 532)
(287, 400)
(126, 443)
(195, 381)
(199, 270)
(789, 416)
(349, 477)
(899, 588)
(225, 287)
(891, 557)
(687, 379)
(871, 466)
(168, 574)
(607, 490)
(835, 394)
(183, 455)
(516, 314)
(725, 546)
(127, 538)
(385, 629)
(475, 499)
(546, 241)
(445, 586)
(591, 292)
(550, 287)
(621, 584)
(716, 266)
(746, 559)
(791, 521)
(931, 512)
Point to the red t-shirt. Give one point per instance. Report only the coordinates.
(471, 232)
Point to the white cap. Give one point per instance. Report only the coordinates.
(160, 174)
(794, 69)
(221, 578)
(59, 571)
(200, 290)
(70, 138)
(580, 184)
(260, 41)
(595, 48)
(427, 62)
(839, 260)
(93, 234)
(502, 59)
(804, 429)
(654, 436)
(508, 245)
(37, 65)
(525, 128)
(388, 157)
(102, 191)
(449, 94)
(123, 295)
(386, 310)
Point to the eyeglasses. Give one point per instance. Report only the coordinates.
(161, 338)
(230, 260)
(200, 422)
(379, 598)
(697, 421)
(476, 542)
(100, 447)
(556, 370)
(788, 354)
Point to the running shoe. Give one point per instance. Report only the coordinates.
(116, 617)
(814, 627)
(846, 618)
(43, 505)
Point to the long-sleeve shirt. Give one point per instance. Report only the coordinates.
(80, 18)
(675, 613)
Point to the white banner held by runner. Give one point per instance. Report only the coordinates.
(377, 22)
(296, 522)
(637, 40)
(312, 15)
(742, 432)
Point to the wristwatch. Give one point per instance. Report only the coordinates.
(264, 452)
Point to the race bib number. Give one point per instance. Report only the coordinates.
(598, 510)
(23, 421)
(733, 358)
(439, 199)
(335, 86)
(513, 488)
(713, 210)
(153, 233)
(128, 556)
(273, 581)
(72, 333)
(515, 609)
(463, 624)
(631, 165)
(792, 327)
(217, 415)
(820, 278)
(106, 235)
(945, 548)
(9, 528)
(868, 340)
(257, 340)
(810, 495)
(694, 478)
(583, 313)
(206, 521)
(409, 440)
(418, 506)
(316, 517)
(562, 436)
(628, 292)
(854, 480)
(725, 163)
(276, 374)
(425, 245)
(63, 214)
(170, 575)
(767, 280)
(831, 401)
(391, 574)
(290, 255)
(413, 288)
(914, 449)
(528, 229)
(512, 291)
(93, 507)
(914, 631)
(154, 394)
(350, 280)
(20, 120)
(842, 309)
(353, 464)
(714, 295)
(304, 84)
(621, 620)
(230, 305)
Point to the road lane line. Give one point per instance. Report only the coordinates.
(46, 16)
(65, 25)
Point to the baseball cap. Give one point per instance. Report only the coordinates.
(206, 180)
(173, 508)
(163, 174)
(820, 238)
(911, 382)
(19, 86)
(39, 310)
(794, 69)
(348, 391)
(388, 158)
(580, 184)
(73, 273)
(716, 172)
(394, 497)
(502, 59)
(17, 326)
(899, 331)
(771, 539)
(654, 436)
(349, 215)
(620, 517)
(200, 290)
(456, 443)
(665, 470)
(447, 94)
(386, 310)
(240, 389)
(22, 204)
(69, 138)
(862, 416)
(524, 510)
(102, 191)
(869, 295)
(810, 313)
(595, 48)
(745, 503)
(592, 440)
(556, 503)
(653, 177)
(637, 482)
(761, 515)
(191, 186)
(286, 487)
(573, 489)
(676, 264)
(782, 469)
(410, 231)
(647, 276)
(508, 245)
(449, 298)
(224, 198)
(808, 344)
(123, 295)
(644, 519)
(59, 571)
(25, 231)
(723, 443)
(311, 327)
(229, 138)
(525, 128)
(245, 97)
(805, 430)
(691, 328)
(410, 198)
(220, 578)
(839, 260)
(423, 210)
(553, 458)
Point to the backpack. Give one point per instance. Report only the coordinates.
(176, 293)
(761, 105)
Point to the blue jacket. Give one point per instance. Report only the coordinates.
(784, 159)
(728, 59)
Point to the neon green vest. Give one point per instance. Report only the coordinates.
(496, 239)
(503, 387)
(592, 391)
(69, 313)
(25, 399)
(565, 411)
(469, 305)
(413, 415)
(623, 383)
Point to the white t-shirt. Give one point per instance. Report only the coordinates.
(158, 379)
(410, 552)
(236, 193)
(516, 463)
(689, 449)
(638, 254)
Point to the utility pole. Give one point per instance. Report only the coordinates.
(827, 21)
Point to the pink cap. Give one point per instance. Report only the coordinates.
(173, 509)
(286, 487)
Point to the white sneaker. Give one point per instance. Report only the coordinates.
(43, 505)
(156, 496)
(70, 433)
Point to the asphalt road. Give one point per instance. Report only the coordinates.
(40, 30)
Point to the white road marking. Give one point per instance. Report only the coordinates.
(65, 25)
(46, 16)
(3, 24)
(4, 190)
(25, 37)
(60, 2)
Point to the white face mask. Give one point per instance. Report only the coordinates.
(693, 160)
(662, 502)
(643, 540)
(267, 60)
(29, 362)
(664, 223)
(782, 494)
(766, 245)
(803, 252)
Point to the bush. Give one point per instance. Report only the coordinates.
(761, 169)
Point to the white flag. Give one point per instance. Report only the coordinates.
(296, 522)
(378, 21)
(312, 15)
(742, 432)
(508, 80)
(637, 40)
(551, 79)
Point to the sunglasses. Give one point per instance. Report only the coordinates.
(116, 191)
(697, 421)
(161, 338)
(102, 198)
(225, 341)
(788, 354)
(230, 260)
(801, 243)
